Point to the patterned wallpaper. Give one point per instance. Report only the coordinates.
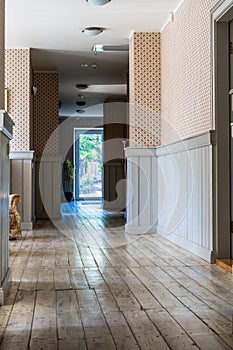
(18, 82)
(2, 45)
(170, 73)
(46, 120)
(145, 89)
(186, 72)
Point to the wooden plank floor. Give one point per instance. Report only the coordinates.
(91, 286)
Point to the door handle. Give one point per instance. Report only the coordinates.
(231, 129)
(231, 94)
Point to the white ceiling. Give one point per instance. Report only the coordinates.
(53, 29)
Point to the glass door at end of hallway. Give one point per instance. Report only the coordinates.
(88, 160)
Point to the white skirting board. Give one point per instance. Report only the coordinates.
(5, 286)
(194, 248)
(170, 191)
(26, 226)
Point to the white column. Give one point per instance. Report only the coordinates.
(22, 182)
(142, 190)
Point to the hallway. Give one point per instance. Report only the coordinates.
(106, 294)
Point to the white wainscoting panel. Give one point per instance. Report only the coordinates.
(23, 183)
(6, 126)
(185, 203)
(141, 184)
(170, 191)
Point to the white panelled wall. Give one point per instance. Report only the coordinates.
(23, 183)
(6, 126)
(170, 192)
(142, 183)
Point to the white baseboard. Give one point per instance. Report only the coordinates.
(192, 247)
(26, 225)
(5, 287)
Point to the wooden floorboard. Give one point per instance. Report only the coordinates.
(90, 286)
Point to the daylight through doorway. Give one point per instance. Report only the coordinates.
(88, 160)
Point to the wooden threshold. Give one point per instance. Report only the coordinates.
(225, 263)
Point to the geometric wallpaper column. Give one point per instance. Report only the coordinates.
(2, 45)
(187, 72)
(18, 80)
(46, 114)
(145, 89)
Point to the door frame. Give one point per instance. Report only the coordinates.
(76, 146)
(221, 15)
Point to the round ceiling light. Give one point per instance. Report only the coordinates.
(80, 103)
(82, 86)
(98, 2)
(92, 31)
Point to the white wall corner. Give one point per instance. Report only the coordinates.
(141, 213)
(22, 155)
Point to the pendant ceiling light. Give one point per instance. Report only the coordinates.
(92, 31)
(98, 2)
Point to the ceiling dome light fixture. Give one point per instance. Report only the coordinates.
(82, 86)
(98, 2)
(80, 110)
(80, 103)
(92, 31)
